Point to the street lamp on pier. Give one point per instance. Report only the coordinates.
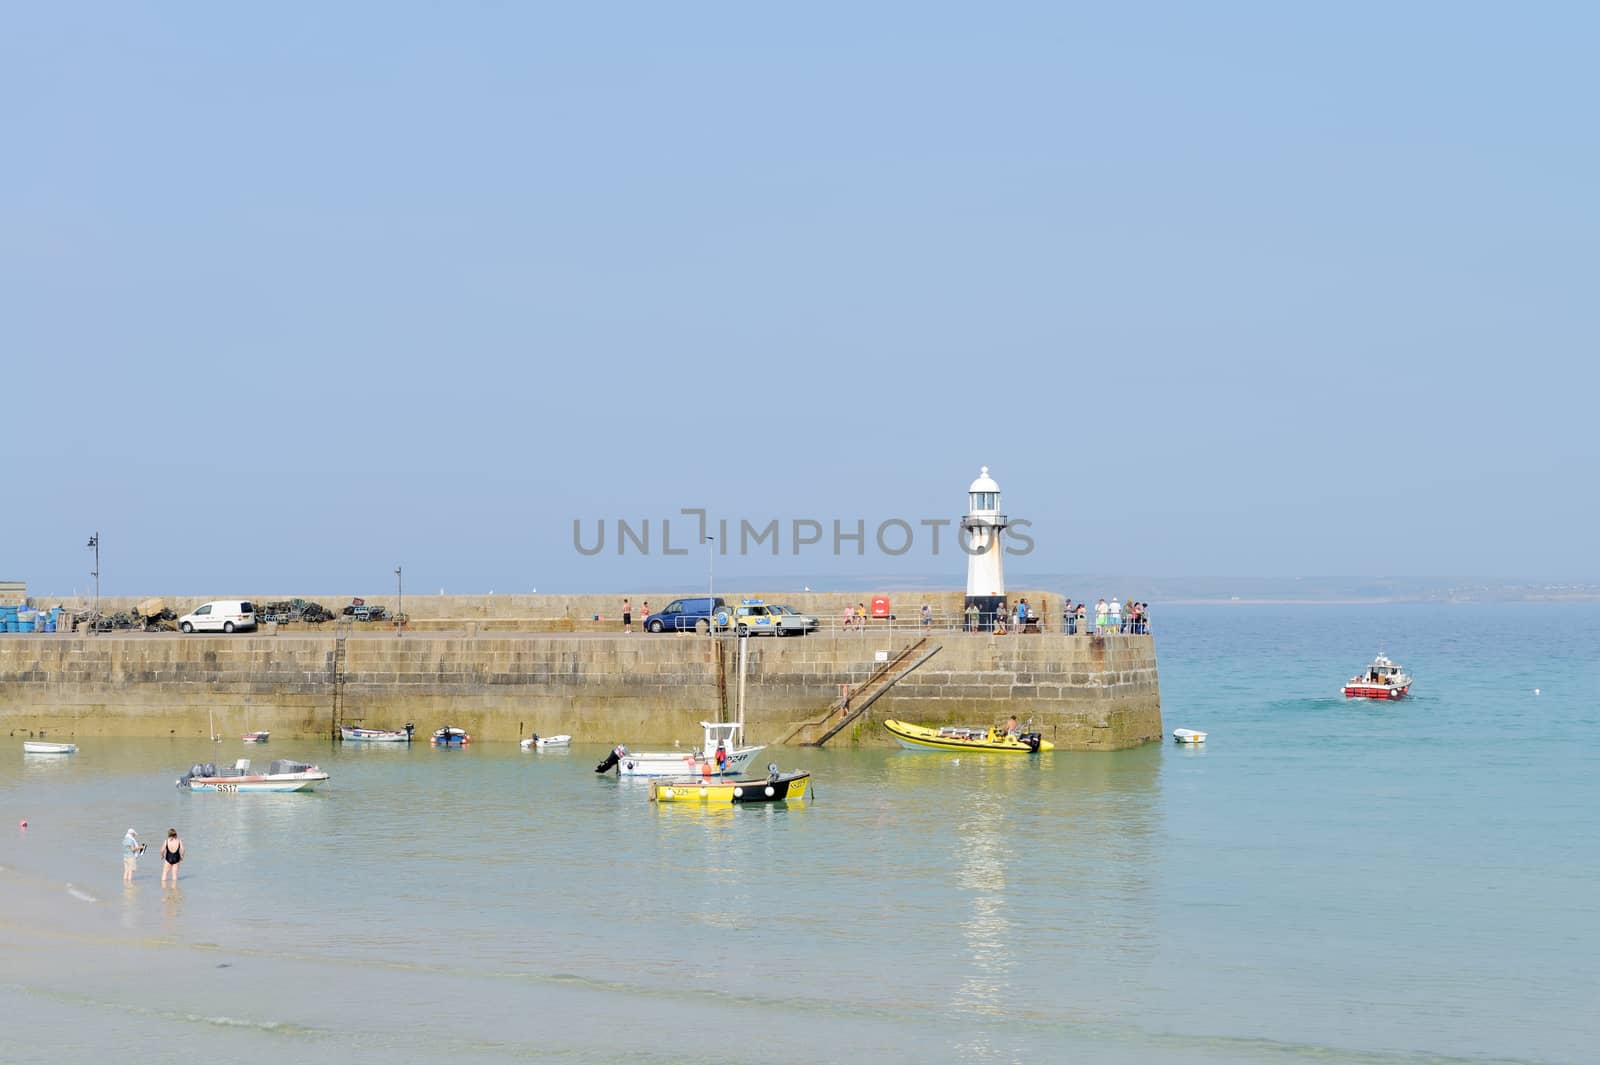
(400, 604)
(94, 542)
(711, 585)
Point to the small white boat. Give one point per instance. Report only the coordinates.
(351, 734)
(1188, 735)
(257, 737)
(282, 775)
(40, 747)
(544, 743)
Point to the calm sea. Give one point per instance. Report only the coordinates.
(1325, 881)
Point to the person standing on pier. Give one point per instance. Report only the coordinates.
(627, 617)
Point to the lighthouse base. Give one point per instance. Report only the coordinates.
(988, 606)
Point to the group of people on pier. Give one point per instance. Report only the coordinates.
(1106, 618)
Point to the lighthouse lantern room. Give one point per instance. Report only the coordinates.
(982, 530)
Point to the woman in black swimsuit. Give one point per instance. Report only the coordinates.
(171, 855)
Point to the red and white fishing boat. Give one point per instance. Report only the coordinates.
(1382, 680)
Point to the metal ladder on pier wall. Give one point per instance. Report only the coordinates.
(338, 684)
(853, 704)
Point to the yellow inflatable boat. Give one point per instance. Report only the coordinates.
(961, 738)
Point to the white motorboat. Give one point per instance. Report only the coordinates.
(1188, 735)
(537, 742)
(282, 775)
(720, 755)
(1382, 680)
(41, 747)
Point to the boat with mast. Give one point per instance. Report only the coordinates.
(722, 751)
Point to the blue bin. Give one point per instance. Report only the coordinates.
(25, 626)
(50, 626)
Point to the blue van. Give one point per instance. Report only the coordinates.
(693, 613)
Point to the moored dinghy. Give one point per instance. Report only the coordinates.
(1188, 735)
(257, 737)
(41, 747)
(351, 734)
(450, 736)
(537, 742)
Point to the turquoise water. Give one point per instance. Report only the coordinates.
(1326, 880)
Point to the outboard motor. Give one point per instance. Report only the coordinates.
(611, 759)
(1032, 739)
(197, 770)
(209, 769)
(411, 726)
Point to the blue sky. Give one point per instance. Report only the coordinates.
(291, 295)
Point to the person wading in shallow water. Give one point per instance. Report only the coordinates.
(131, 849)
(171, 855)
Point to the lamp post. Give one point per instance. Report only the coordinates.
(711, 583)
(400, 605)
(94, 542)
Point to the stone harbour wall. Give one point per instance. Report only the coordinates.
(1088, 693)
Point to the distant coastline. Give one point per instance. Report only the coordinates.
(1257, 591)
(1375, 600)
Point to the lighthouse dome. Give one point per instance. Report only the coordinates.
(984, 483)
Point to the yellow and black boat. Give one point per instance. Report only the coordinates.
(962, 738)
(774, 787)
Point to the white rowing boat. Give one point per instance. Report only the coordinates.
(40, 747)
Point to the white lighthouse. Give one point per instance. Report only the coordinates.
(982, 530)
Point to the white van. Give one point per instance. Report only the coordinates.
(220, 615)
